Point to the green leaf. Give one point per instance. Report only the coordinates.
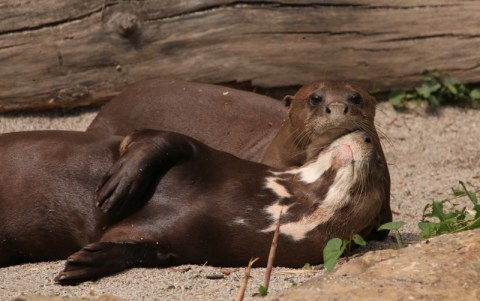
(262, 291)
(398, 238)
(458, 191)
(307, 266)
(433, 101)
(374, 89)
(475, 224)
(475, 94)
(452, 85)
(392, 225)
(477, 210)
(447, 225)
(430, 78)
(411, 96)
(451, 81)
(471, 196)
(452, 89)
(397, 98)
(437, 210)
(359, 240)
(424, 91)
(428, 229)
(332, 251)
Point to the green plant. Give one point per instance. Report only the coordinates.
(336, 247)
(437, 89)
(394, 226)
(307, 266)
(453, 220)
(374, 90)
(262, 291)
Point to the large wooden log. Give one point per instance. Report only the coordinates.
(70, 53)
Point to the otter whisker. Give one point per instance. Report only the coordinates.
(383, 135)
(300, 138)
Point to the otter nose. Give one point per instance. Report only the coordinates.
(336, 109)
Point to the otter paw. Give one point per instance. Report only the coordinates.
(92, 262)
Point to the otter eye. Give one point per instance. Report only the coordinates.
(355, 98)
(315, 99)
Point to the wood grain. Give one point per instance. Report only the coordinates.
(71, 53)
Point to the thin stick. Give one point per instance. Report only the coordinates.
(243, 287)
(271, 255)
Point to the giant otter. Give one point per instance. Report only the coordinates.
(209, 206)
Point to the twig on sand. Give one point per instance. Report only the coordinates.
(271, 255)
(243, 287)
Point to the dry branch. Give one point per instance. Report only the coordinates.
(271, 255)
(246, 277)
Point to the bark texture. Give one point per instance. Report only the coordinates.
(71, 53)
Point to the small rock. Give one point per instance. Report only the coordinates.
(215, 276)
(354, 267)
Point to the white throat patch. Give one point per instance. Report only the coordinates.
(337, 196)
(310, 172)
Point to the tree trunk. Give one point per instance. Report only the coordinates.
(71, 53)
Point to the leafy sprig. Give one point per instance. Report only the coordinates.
(437, 89)
(436, 220)
(336, 247)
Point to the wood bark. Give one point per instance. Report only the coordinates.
(71, 53)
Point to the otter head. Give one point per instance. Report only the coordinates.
(356, 194)
(322, 111)
(360, 175)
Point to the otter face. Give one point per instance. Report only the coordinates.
(326, 110)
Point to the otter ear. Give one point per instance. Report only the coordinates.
(287, 100)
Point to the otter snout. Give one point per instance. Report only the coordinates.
(336, 109)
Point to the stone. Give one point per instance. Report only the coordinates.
(446, 267)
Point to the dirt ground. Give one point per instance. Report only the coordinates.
(427, 155)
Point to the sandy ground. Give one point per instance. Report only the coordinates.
(427, 155)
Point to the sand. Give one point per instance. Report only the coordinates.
(427, 154)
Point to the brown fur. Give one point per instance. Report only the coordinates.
(47, 208)
(241, 123)
(249, 125)
(310, 127)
